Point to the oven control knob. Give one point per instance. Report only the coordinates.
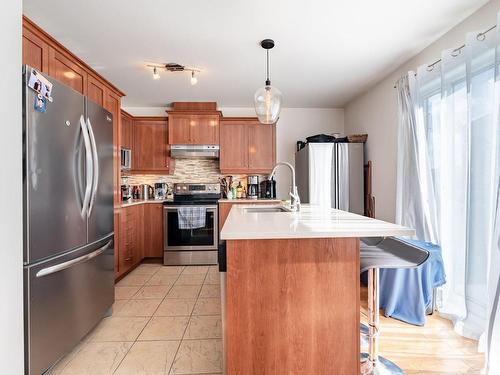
(209, 188)
(184, 188)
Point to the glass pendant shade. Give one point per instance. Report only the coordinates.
(267, 102)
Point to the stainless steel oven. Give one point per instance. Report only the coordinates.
(192, 246)
(205, 238)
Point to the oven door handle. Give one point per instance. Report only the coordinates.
(174, 208)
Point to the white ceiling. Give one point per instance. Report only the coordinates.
(327, 51)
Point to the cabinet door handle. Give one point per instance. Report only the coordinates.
(128, 259)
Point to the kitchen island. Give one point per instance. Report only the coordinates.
(291, 293)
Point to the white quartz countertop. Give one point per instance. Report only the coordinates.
(309, 222)
(134, 202)
(249, 200)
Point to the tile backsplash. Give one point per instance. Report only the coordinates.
(186, 170)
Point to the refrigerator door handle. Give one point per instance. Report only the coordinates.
(95, 179)
(336, 171)
(73, 262)
(88, 166)
(343, 177)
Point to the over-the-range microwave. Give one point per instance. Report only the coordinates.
(125, 158)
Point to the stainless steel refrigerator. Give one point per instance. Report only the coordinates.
(331, 175)
(68, 220)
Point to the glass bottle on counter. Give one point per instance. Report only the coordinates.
(239, 190)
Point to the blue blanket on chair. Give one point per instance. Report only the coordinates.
(405, 294)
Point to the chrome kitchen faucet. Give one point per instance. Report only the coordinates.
(295, 201)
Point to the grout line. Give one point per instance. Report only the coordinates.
(187, 325)
(85, 342)
(150, 318)
(133, 343)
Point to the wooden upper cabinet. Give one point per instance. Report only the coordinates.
(179, 132)
(261, 147)
(46, 54)
(193, 128)
(204, 130)
(96, 90)
(67, 71)
(43, 52)
(126, 131)
(233, 147)
(35, 51)
(150, 145)
(112, 103)
(246, 146)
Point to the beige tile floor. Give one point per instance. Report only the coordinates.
(166, 320)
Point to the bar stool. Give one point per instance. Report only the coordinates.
(376, 253)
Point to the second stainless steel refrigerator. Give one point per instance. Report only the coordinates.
(332, 175)
(68, 220)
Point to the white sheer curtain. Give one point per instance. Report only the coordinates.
(416, 205)
(448, 176)
(493, 327)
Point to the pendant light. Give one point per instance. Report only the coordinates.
(267, 99)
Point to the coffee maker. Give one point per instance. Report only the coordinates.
(126, 192)
(253, 187)
(161, 189)
(268, 189)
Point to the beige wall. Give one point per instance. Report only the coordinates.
(294, 124)
(375, 112)
(11, 230)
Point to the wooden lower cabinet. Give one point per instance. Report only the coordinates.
(153, 230)
(292, 306)
(139, 235)
(130, 238)
(116, 219)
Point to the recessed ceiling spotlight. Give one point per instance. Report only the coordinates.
(174, 67)
(156, 75)
(194, 79)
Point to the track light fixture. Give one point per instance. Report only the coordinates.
(174, 67)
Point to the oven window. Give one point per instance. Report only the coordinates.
(190, 237)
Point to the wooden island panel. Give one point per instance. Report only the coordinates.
(292, 306)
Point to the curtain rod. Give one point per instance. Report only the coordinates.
(481, 36)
